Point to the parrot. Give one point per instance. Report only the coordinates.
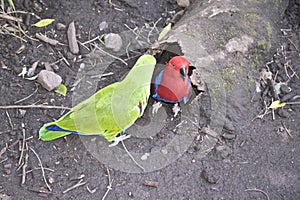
(172, 85)
(111, 110)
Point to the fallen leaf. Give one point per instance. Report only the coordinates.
(165, 31)
(277, 104)
(62, 89)
(43, 22)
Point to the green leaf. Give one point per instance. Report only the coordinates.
(277, 104)
(43, 22)
(165, 31)
(62, 90)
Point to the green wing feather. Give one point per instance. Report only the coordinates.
(110, 110)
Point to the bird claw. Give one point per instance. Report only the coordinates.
(119, 139)
(176, 109)
(155, 107)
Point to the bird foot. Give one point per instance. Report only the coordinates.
(119, 139)
(155, 107)
(176, 109)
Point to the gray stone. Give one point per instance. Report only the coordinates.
(113, 41)
(49, 80)
(183, 3)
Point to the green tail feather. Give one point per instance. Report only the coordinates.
(48, 135)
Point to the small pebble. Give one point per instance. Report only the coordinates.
(113, 41)
(285, 89)
(283, 113)
(103, 25)
(60, 26)
(223, 150)
(183, 3)
(210, 176)
(7, 166)
(228, 136)
(49, 80)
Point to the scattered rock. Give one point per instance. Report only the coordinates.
(223, 150)
(210, 176)
(228, 136)
(32, 69)
(284, 89)
(71, 33)
(7, 166)
(22, 112)
(60, 26)
(208, 131)
(197, 80)
(151, 184)
(183, 3)
(103, 25)
(113, 41)
(49, 80)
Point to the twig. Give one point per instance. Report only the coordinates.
(293, 103)
(152, 29)
(132, 158)
(34, 106)
(102, 75)
(23, 143)
(109, 186)
(39, 191)
(258, 190)
(11, 18)
(23, 12)
(19, 101)
(8, 147)
(117, 58)
(293, 44)
(9, 120)
(24, 170)
(286, 130)
(80, 183)
(42, 168)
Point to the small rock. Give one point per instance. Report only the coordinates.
(285, 89)
(228, 136)
(51, 180)
(183, 3)
(49, 80)
(113, 41)
(60, 26)
(7, 166)
(223, 150)
(210, 176)
(283, 113)
(103, 25)
(22, 112)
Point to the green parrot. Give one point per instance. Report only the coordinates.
(111, 110)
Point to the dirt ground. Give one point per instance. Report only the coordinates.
(253, 159)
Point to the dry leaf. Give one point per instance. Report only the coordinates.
(277, 104)
(165, 31)
(43, 22)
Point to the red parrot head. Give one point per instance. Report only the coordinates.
(179, 64)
